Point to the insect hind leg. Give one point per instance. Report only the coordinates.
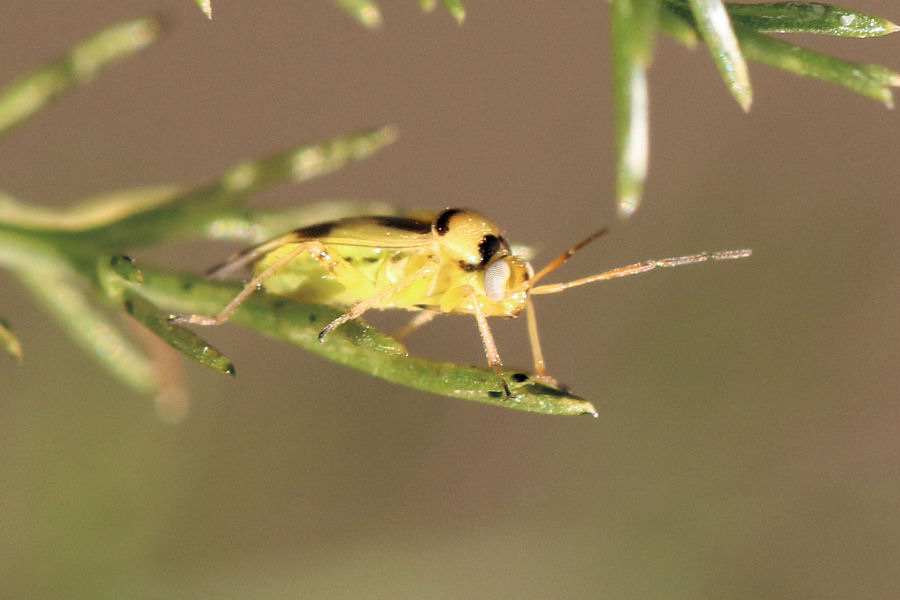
(250, 287)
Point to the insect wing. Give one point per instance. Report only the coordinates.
(372, 232)
(365, 232)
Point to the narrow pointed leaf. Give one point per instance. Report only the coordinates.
(355, 344)
(31, 92)
(8, 340)
(716, 30)
(206, 7)
(189, 212)
(119, 277)
(808, 17)
(96, 212)
(633, 23)
(673, 24)
(427, 5)
(181, 338)
(365, 12)
(456, 10)
(870, 80)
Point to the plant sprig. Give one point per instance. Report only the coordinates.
(71, 262)
(734, 33)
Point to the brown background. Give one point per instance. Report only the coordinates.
(748, 444)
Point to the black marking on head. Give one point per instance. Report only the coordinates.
(495, 394)
(441, 223)
(467, 267)
(404, 223)
(489, 246)
(319, 230)
(519, 377)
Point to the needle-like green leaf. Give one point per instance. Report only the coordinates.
(92, 213)
(189, 212)
(31, 92)
(716, 30)
(870, 80)
(675, 25)
(206, 7)
(808, 17)
(633, 25)
(118, 276)
(365, 12)
(456, 10)
(9, 341)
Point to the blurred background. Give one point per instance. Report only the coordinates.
(748, 444)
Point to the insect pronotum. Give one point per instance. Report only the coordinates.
(454, 261)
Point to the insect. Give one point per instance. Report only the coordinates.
(453, 261)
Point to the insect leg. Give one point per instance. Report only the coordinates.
(487, 342)
(250, 287)
(422, 318)
(372, 301)
(673, 261)
(540, 367)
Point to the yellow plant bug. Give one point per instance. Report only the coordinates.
(453, 261)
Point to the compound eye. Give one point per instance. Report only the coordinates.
(495, 278)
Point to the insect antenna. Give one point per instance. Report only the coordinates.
(556, 262)
(673, 261)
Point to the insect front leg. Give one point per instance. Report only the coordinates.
(540, 367)
(487, 341)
